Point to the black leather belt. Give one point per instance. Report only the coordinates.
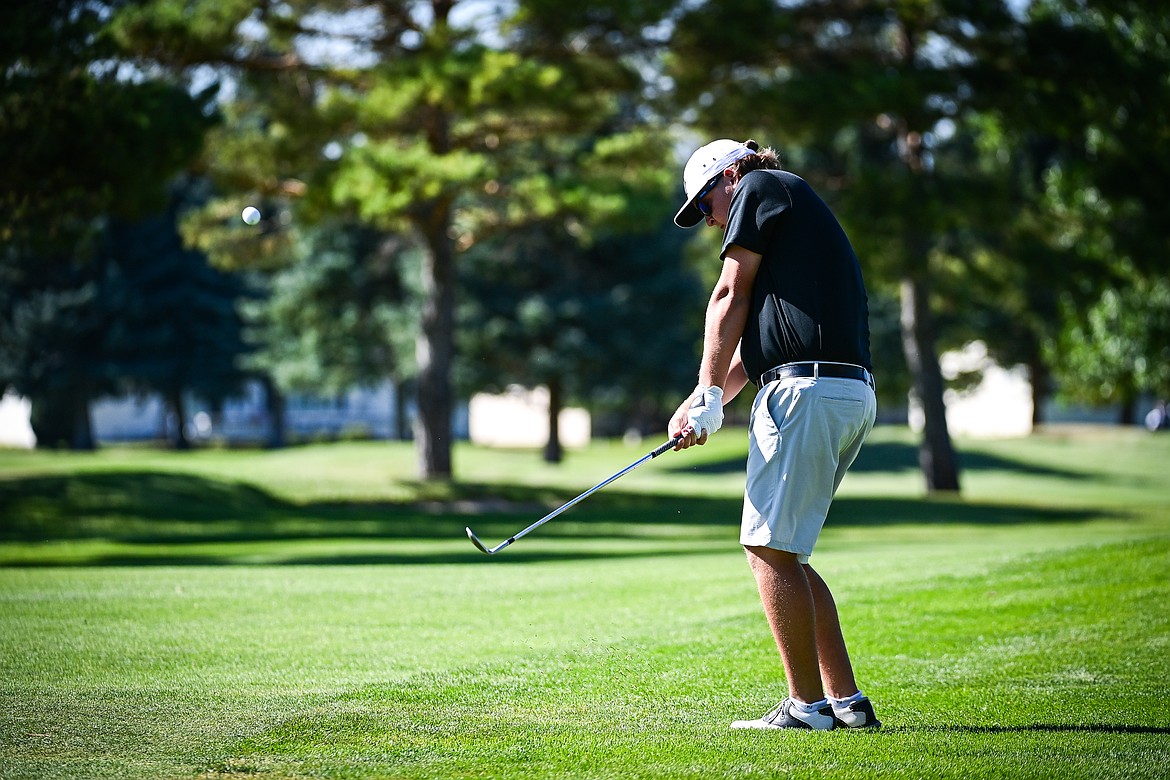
(817, 369)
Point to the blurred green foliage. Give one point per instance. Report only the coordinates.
(428, 170)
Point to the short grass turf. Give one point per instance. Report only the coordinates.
(315, 613)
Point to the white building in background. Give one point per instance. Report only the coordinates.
(519, 418)
(359, 413)
(128, 419)
(999, 406)
(15, 430)
(367, 413)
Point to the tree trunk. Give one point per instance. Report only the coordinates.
(81, 437)
(274, 406)
(61, 419)
(936, 456)
(1127, 413)
(435, 347)
(1040, 379)
(49, 423)
(402, 389)
(177, 408)
(552, 449)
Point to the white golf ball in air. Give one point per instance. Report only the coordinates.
(251, 215)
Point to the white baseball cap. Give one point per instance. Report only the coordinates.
(705, 163)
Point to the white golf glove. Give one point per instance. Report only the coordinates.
(706, 410)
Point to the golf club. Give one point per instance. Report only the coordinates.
(649, 456)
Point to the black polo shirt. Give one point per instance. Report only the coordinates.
(808, 301)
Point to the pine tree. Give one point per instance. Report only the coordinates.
(78, 142)
(175, 327)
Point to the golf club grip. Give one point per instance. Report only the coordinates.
(667, 446)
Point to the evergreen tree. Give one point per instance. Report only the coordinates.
(52, 316)
(174, 325)
(337, 316)
(80, 139)
(429, 125)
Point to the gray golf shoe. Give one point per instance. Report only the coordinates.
(857, 715)
(785, 716)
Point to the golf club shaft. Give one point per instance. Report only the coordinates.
(648, 456)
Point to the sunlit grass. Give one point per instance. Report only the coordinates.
(317, 612)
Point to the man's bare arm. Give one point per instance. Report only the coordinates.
(727, 314)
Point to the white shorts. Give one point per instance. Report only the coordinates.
(804, 435)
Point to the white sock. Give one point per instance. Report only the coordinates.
(840, 704)
(809, 709)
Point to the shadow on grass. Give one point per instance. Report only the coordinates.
(141, 512)
(291, 558)
(890, 457)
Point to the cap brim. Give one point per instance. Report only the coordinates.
(689, 215)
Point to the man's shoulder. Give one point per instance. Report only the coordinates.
(772, 182)
(772, 176)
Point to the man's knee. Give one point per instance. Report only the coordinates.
(769, 556)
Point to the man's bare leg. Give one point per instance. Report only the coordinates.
(789, 603)
(835, 666)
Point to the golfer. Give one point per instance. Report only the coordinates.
(789, 314)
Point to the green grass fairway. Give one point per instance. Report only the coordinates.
(316, 612)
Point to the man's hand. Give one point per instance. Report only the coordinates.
(698, 417)
(705, 413)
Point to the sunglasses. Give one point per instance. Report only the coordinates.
(710, 185)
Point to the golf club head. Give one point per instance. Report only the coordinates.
(475, 540)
